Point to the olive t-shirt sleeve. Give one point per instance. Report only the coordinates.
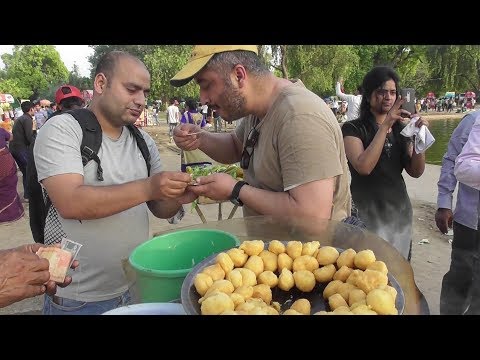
(308, 151)
(240, 129)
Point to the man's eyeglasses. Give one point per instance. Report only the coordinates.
(384, 92)
(247, 153)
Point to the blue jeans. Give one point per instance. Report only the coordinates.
(64, 306)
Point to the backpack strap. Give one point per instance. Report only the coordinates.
(92, 137)
(142, 145)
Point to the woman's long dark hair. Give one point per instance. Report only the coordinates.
(374, 80)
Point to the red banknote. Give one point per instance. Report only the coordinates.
(59, 260)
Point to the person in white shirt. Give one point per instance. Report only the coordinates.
(173, 117)
(353, 101)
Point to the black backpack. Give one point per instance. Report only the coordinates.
(91, 142)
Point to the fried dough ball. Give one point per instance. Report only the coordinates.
(286, 280)
(364, 258)
(310, 247)
(254, 263)
(358, 303)
(249, 306)
(225, 262)
(284, 262)
(378, 266)
(263, 292)
(305, 262)
(344, 290)
(327, 255)
(331, 288)
(215, 271)
(291, 312)
(245, 291)
(276, 305)
(304, 280)
(322, 312)
(224, 286)
(356, 295)
(217, 304)
(270, 261)
(248, 277)
(302, 306)
(208, 294)
(325, 273)
(252, 247)
(239, 258)
(343, 273)
(336, 300)
(391, 290)
(381, 302)
(371, 279)
(235, 277)
(342, 310)
(363, 310)
(276, 247)
(346, 258)
(229, 312)
(294, 249)
(271, 310)
(202, 282)
(237, 299)
(354, 275)
(268, 278)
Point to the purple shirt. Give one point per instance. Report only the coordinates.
(467, 164)
(466, 210)
(4, 137)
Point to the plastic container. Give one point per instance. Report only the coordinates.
(162, 263)
(148, 309)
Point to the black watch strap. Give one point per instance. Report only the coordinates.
(235, 196)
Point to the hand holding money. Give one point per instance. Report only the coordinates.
(22, 274)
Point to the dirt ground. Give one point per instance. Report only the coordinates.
(431, 249)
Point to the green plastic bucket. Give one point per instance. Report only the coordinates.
(162, 263)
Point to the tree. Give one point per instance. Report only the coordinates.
(81, 82)
(455, 67)
(163, 63)
(319, 66)
(35, 67)
(139, 51)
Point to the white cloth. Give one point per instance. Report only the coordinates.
(423, 137)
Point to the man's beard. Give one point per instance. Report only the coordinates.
(235, 103)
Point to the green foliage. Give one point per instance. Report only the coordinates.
(139, 51)
(35, 67)
(319, 66)
(163, 63)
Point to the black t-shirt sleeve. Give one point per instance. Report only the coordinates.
(348, 129)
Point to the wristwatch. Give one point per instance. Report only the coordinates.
(235, 196)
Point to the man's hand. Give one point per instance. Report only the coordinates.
(22, 275)
(444, 219)
(187, 136)
(168, 185)
(51, 286)
(216, 186)
(187, 197)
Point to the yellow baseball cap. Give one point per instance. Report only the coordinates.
(200, 56)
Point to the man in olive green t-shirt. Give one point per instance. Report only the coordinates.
(289, 143)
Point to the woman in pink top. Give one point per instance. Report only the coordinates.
(11, 207)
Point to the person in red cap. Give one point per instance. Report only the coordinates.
(67, 97)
